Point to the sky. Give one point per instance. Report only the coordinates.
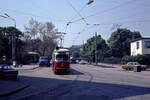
(101, 16)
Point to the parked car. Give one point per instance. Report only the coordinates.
(83, 62)
(7, 72)
(73, 61)
(44, 61)
(131, 65)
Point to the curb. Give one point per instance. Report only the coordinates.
(34, 68)
(14, 91)
(28, 69)
(103, 65)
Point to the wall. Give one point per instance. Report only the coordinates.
(133, 48)
(145, 50)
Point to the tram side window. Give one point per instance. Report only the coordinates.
(62, 57)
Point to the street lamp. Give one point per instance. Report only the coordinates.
(11, 19)
(13, 39)
(3, 16)
(90, 1)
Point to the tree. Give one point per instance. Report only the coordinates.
(89, 48)
(40, 37)
(119, 41)
(6, 41)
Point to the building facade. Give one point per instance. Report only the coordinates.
(140, 46)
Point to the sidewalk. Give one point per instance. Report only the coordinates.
(28, 67)
(8, 87)
(105, 64)
(112, 65)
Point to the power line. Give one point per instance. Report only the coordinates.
(26, 13)
(126, 22)
(37, 6)
(77, 14)
(79, 34)
(136, 21)
(107, 10)
(82, 18)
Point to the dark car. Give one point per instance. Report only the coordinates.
(44, 61)
(7, 72)
(73, 61)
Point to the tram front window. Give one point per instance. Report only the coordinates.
(62, 57)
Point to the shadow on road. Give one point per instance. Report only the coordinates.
(54, 88)
(75, 72)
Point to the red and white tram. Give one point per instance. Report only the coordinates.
(61, 60)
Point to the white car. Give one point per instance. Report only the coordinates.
(83, 62)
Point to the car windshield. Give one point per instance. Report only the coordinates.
(129, 63)
(133, 63)
(62, 57)
(136, 63)
(43, 59)
(5, 67)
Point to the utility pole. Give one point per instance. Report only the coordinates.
(61, 41)
(61, 37)
(96, 48)
(13, 39)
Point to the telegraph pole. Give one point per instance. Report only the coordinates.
(61, 37)
(96, 48)
(13, 39)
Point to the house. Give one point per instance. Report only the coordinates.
(140, 46)
(76, 48)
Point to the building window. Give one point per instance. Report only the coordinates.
(147, 44)
(137, 45)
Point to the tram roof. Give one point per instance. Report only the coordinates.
(62, 50)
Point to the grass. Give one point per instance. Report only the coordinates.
(102, 66)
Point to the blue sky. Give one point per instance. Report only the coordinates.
(131, 14)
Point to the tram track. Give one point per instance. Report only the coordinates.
(79, 79)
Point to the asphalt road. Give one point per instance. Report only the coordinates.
(84, 82)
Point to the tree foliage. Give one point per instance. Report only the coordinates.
(119, 41)
(40, 37)
(142, 59)
(6, 41)
(90, 49)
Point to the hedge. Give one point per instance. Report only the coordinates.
(142, 59)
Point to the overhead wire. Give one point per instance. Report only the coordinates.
(92, 14)
(31, 14)
(125, 21)
(78, 35)
(37, 6)
(112, 23)
(84, 29)
(82, 18)
(107, 10)
(77, 14)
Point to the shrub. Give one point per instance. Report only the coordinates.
(111, 60)
(142, 59)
